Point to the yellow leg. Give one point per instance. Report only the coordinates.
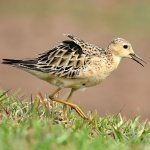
(73, 106)
(54, 95)
(67, 100)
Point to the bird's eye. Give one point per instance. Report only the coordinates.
(125, 46)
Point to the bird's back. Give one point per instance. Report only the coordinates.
(71, 61)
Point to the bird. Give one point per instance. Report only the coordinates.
(76, 64)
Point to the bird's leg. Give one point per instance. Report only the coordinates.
(73, 106)
(67, 100)
(54, 95)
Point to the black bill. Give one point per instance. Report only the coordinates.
(137, 59)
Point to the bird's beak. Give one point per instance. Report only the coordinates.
(137, 58)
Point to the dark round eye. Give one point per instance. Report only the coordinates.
(125, 46)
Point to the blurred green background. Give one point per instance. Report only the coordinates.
(31, 27)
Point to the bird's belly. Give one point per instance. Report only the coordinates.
(68, 83)
(77, 83)
(62, 82)
(91, 79)
(94, 80)
(96, 76)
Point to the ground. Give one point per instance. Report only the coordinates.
(40, 124)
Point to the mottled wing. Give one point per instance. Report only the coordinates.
(66, 60)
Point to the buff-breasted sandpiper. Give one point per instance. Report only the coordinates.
(76, 64)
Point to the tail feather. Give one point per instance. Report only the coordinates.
(11, 61)
(28, 63)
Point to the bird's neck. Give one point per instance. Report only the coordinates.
(116, 60)
(113, 59)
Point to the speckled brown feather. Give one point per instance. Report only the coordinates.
(68, 58)
(75, 63)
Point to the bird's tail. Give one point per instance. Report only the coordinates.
(28, 63)
(11, 61)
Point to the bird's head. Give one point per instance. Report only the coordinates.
(122, 48)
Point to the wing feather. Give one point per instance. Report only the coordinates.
(67, 60)
(64, 61)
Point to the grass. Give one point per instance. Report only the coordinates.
(39, 124)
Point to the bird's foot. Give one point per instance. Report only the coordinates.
(73, 106)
